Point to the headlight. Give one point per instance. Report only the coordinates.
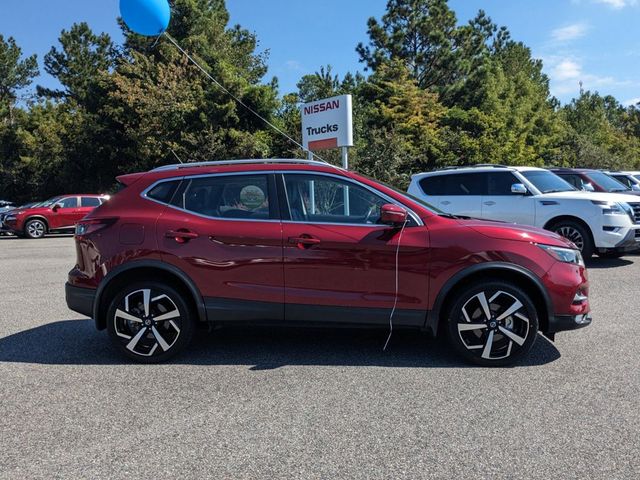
(614, 208)
(8, 218)
(565, 255)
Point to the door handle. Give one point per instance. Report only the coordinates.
(181, 235)
(489, 203)
(304, 241)
(445, 202)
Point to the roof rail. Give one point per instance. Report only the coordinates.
(477, 165)
(214, 163)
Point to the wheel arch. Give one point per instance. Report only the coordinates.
(140, 270)
(560, 218)
(520, 276)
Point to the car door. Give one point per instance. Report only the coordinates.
(64, 213)
(501, 204)
(456, 193)
(224, 232)
(339, 262)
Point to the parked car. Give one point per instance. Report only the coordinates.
(5, 205)
(305, 243)
(58, 214)
(630, 179)
(606, 223)
(593, 180)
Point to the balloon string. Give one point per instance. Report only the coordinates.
(223, 88)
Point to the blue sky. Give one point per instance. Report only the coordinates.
(593, 41)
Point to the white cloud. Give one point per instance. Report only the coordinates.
(566, 70)
(569, 32)
(618, 4)
(631, 101)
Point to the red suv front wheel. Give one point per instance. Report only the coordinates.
(492, 323)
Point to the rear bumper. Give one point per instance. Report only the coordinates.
(80, 299)
(560, 323)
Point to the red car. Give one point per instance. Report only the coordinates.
(58, 214)
(304, 243)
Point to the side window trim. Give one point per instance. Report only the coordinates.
(185, 182)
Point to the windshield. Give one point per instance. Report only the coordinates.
(608, 183)
(547, 182)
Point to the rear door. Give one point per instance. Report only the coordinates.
(339, 262)
(500, 204)
(225, 233)
(456, 193)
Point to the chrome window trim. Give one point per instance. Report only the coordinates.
(414, 216)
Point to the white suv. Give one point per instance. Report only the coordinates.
(606, 223)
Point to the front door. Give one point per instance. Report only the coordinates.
(339, 262)
(501, 204)
(65, 213)
(223, 231)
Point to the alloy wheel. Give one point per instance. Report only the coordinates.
(36, 228)
(147, 322)
(571, 234)
(493, 325)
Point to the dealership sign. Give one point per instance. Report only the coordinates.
(327, 123)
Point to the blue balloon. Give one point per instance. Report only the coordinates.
(146, 17)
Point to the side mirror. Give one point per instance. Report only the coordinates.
(518, 189)
(587, 187)
(56, 206)
(635, 187)
(393, 215)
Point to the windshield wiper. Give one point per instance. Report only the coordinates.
(556, 190)
(455, 217)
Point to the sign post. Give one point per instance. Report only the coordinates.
(326, 124)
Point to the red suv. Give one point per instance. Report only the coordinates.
(305, 243)
(58, 214)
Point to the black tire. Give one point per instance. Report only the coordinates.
(486, 344)
(35, 228)
(161, 339)
(576, 233)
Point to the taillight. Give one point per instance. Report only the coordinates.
(93, 225)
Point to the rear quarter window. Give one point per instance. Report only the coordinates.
(163, 192)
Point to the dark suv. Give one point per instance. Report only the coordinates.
(305, 243)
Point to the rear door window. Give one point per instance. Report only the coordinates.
(228, 196)
(454, 184)
(89, 201)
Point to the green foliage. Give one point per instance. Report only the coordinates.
(15, 74)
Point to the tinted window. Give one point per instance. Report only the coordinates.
(572, 179)
(228, 196)
(499, 183)
(454, 184)
(322, 199)
(163, 192)
(69, 202)
(610, 184)
(89, 201)
(624, 179)
(547, 182)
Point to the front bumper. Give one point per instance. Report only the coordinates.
(80, 299)
(560, 323)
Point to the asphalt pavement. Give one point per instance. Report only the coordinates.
(307, 404)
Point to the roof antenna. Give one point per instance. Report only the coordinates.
(176, 155)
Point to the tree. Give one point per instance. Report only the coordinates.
(15, 74)
(84, 57)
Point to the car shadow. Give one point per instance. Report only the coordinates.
(77, 342)
(50, 235)
(601, 263)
